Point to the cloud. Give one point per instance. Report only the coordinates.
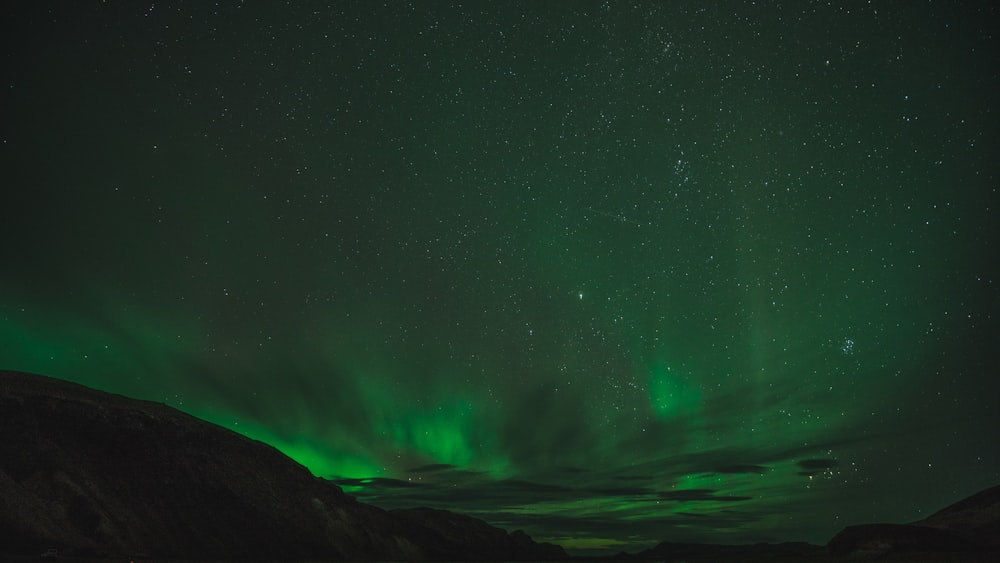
(624, 491)
(746, 468)
(689, 495)
(375, 484)
(432, 468)
(813, 466)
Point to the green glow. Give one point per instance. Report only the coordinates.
(581, 507)
(444, 430)
(600, 257)
(442, 435)
(319, 458)
(671, 394)
(123, 350)
(322, 462)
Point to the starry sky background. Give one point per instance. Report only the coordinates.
(610, 272)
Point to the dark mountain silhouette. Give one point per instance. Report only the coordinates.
(976, 517)
(94, 473)
(968, 529)
(791, 551)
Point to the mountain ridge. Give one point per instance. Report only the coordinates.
(96, 473)
(968, 528)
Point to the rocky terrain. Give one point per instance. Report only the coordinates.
(791, 551)
(102, 475)
(965, 531)
(97, 474)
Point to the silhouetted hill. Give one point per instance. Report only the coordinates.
(791, 551)
(968, 529)
(459, 530)
(102, 474)
(977, 517)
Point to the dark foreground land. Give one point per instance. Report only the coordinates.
(912, 558)
(103, 477)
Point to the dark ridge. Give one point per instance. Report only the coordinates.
(878, 540)
(977, 516)
(968, 530)
(789, 551)
(96, 474)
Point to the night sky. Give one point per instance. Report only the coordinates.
(609, 272)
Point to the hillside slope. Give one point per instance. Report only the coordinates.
(96, 473)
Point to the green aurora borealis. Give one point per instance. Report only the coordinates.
(610, 272)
